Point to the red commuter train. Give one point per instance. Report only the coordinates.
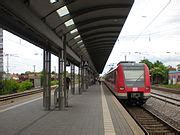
(130, 81)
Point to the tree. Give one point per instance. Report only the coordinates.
(147, 62)
(157, 63)
(28, 72)
(25, 85)
(9, 87)
(53, 72)
(159, 72)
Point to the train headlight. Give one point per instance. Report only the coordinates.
(121, 88)
(147, 88)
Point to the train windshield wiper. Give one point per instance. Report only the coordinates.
(139, 77)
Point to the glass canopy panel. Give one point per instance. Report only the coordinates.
(69, 23)
(74, 31)
(79, 42)
(62, 11)
(77, 37)
(53, 1)
(81, 46)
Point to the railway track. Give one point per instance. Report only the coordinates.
(21, 94)
(151, 124)
(167, 99)
(175, 91)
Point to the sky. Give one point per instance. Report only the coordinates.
(152, 31)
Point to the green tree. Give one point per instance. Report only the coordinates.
(148, 63)
(157, 63)
(53, 72)
(25, 85)
(9, 87)
(159, 73)
(28, 72)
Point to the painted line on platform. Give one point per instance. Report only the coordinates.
(130, 121)
(15, 106)
(108, 124)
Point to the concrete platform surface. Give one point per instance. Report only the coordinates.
(95, 112)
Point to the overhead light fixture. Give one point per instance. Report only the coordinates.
(69, 23)
(79, 42)
(74, 31)
(77, 37)
(62, 11)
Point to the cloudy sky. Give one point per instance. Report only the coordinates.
(23, 55)
(151, 31)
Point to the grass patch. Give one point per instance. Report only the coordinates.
(176, 86)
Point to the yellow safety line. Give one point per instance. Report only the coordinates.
(108, 124)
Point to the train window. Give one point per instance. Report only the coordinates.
(134, 77)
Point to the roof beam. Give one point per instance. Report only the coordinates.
(34, 23)
(93, 34)
(96, 48)
(94, 20)
(101, 43)
(99, 7)
(100, 40)
(92, 28)
(58, 5)
(84, 35)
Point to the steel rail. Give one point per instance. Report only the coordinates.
(167, 99)
(175, 91)
(21, 94)
(150, 122)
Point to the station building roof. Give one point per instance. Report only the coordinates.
(91, 27)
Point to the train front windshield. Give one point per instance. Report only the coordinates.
(134, 76)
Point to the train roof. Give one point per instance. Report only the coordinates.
(132, 64)
(126, 64)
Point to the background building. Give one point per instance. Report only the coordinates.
(174, 77)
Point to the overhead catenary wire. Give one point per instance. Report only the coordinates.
(153, 20)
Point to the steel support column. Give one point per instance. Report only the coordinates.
(90, 78)
(72, 79)
(86, 78)
(47, 80)
(79, 80)
(64, 57)
(60, 78)
(1, 55)
(82, 78)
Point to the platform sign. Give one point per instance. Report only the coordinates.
(1, 53)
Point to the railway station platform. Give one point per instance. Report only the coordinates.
(95, 112)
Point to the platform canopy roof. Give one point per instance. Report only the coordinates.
(91, 27)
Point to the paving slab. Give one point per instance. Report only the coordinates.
(84, 116)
